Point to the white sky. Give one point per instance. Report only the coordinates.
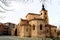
(21, 9)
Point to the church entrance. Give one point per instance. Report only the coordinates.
(15, 32)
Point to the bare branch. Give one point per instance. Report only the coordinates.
(3, 8)
(4, 4)
(2, 11)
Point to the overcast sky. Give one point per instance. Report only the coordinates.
(20, 9)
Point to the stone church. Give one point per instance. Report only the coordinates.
(36, 25)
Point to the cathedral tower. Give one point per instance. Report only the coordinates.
(44, 14)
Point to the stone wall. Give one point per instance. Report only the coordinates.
(24, 31)
(37, 32)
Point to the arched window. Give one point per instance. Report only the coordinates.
(45, 13)
(33, 27)
(40, 26)
(55, 30)
(45, 17)
(26, 29)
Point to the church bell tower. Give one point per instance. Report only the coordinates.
(44, 14)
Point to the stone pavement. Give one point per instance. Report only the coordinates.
(18, 38)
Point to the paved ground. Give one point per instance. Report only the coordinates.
(18, 38)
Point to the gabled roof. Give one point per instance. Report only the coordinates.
(32, 14)
(24, 22)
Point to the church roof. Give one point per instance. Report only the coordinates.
(43, 8)
(24, 22)
(32, 14)
(37, 19)
(49, 25)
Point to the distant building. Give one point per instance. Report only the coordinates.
(8, 29)
(36, 25)
(2, 28)
(11, 28)
(58, 32)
